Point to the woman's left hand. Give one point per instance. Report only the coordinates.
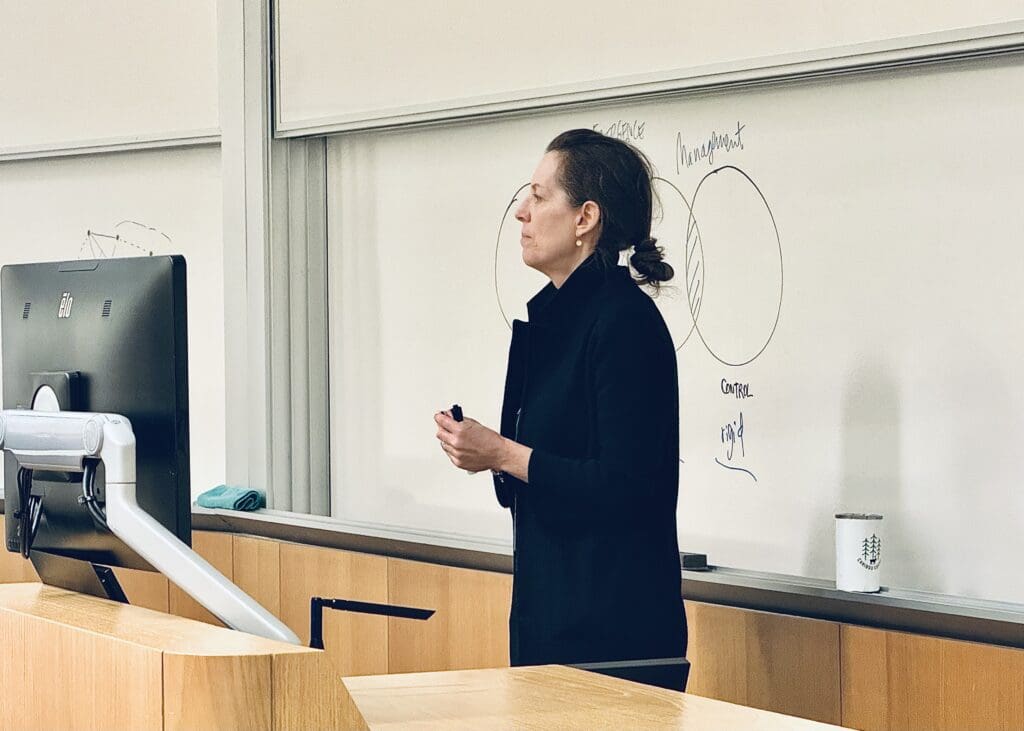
(469, 444)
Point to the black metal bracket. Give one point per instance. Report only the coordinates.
(316, 614)
(640, 671)
(78, 575)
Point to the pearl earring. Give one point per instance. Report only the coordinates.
(579, 243)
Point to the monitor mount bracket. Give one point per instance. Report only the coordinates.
(66, 441)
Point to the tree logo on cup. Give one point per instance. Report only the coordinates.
(871, 553)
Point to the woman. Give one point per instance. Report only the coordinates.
(587, 458)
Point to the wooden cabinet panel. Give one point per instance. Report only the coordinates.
(257, 570)
(147, 589)
(717, 652)
(14, 569)
(793, 666)
(864, 680)
(982, 687)
(913, 681)
(356, 643)
(469, 629)
(216, 548)
(770, 661)
(894, 681)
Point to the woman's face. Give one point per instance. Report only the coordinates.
(549, 223)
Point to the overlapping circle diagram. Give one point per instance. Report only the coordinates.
(725, 248)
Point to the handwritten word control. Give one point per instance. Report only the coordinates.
(739, 390)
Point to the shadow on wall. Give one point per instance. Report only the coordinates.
(871, 479)
(983, 501)
(356, 369)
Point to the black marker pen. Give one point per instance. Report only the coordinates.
(456, 412)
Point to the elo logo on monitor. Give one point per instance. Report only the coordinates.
(66, 300)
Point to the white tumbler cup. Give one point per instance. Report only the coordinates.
(858, 551)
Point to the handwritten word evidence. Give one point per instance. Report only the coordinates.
(627, 130)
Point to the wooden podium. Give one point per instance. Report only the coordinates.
(76, 662)
(71, 661)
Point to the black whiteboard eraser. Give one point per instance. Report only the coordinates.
(694, 561)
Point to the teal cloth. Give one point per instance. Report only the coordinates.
(233, 498)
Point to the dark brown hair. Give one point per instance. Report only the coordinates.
(617, 177)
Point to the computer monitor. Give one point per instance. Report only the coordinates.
(109, 336)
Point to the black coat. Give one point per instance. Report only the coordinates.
(592, 388)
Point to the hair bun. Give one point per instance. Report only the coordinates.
(648, 244)
(647, 260)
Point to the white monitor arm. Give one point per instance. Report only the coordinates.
(62, 440)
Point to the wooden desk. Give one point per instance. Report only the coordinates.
(546, 697)
(70, 661)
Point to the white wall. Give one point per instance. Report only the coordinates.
(75, 73)
(46, 207)
(363, 61)
(121, 75)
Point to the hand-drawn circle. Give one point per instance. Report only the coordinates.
(778, 243)
(497, 247)
(693, 257)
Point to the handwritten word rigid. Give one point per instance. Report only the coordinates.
(687, 156)
(731, 433)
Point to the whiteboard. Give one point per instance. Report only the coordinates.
(351, 64)
(74, 73)
(165, 201)
(859, 253)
